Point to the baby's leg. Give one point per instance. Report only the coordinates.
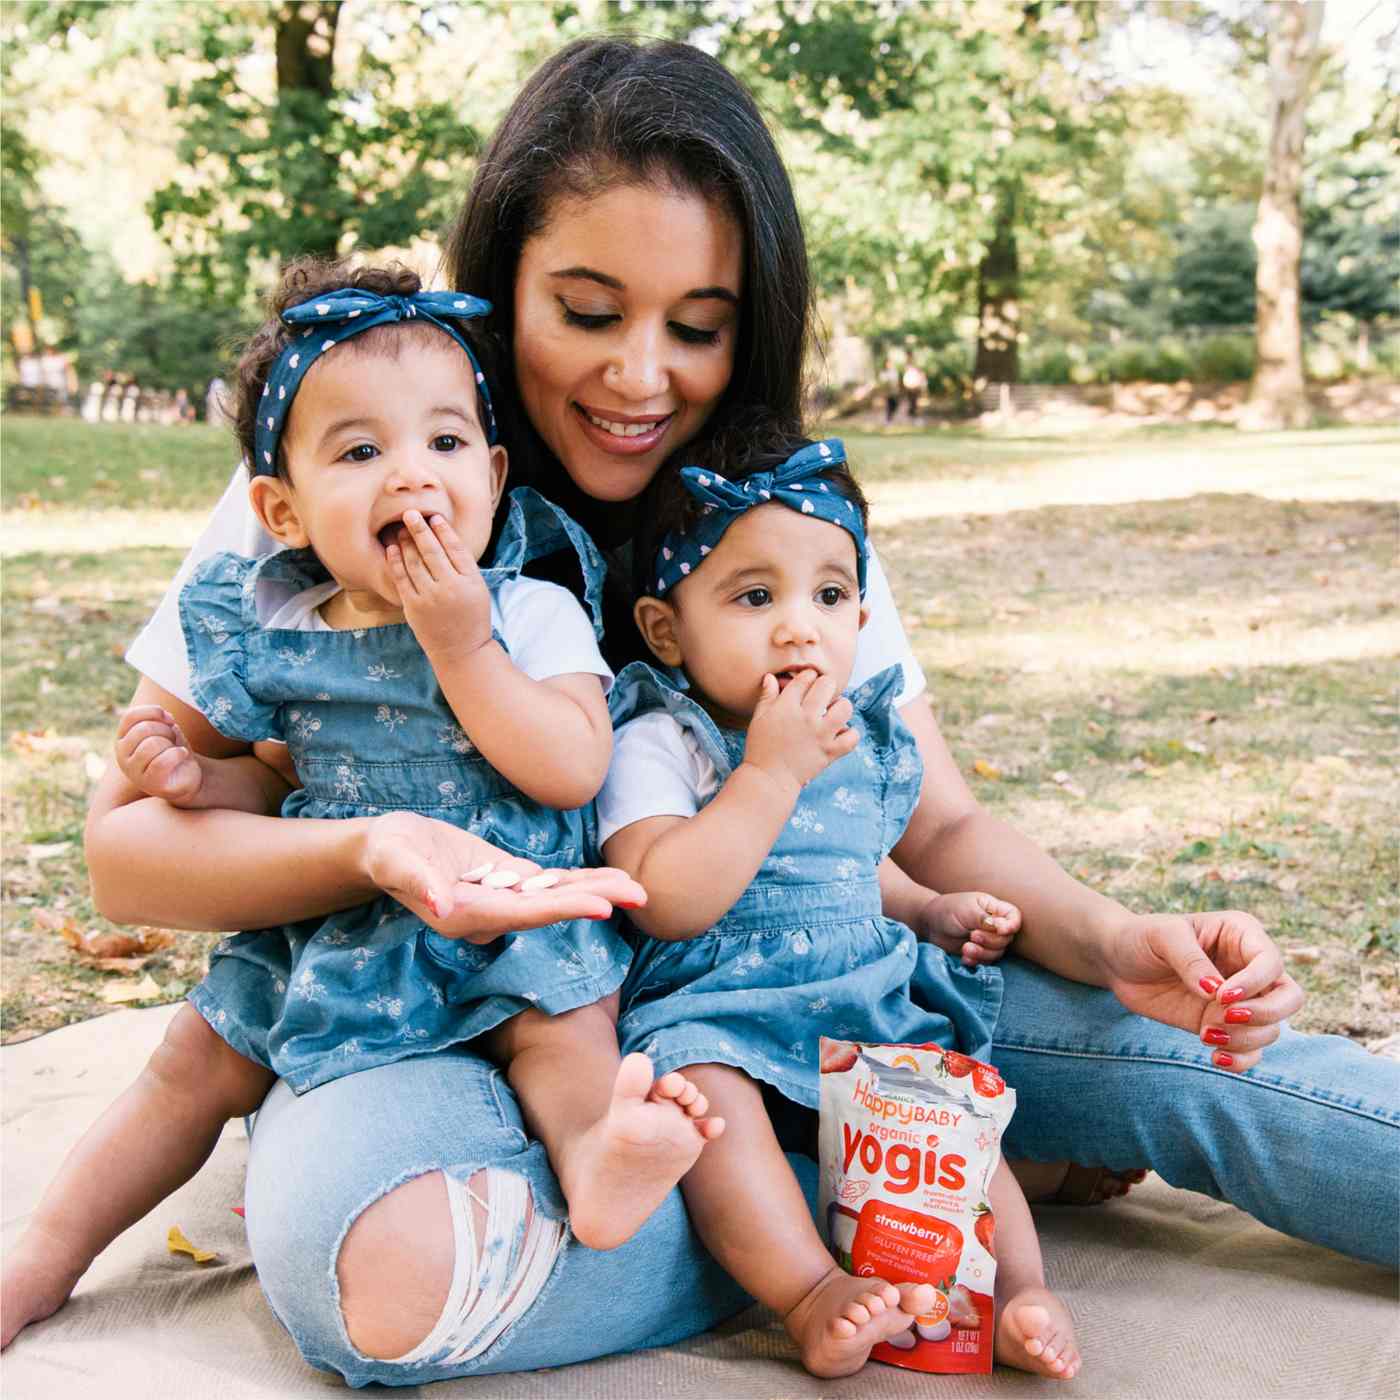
(753, 1217)
(147, 1144)
(1034, 1331)
(617, 1139)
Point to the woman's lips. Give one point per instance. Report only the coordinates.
(625, 438)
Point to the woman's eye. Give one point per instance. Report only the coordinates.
(361, 452)
(693, 335)
(589, 321)
(832, 595)
(446, 442)
(754, 598)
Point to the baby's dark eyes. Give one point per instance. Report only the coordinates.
(447, 442)
(361, 452)
(832, 595)
(755, 598)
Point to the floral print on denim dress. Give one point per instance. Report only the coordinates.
(370, 732)
(806, 951)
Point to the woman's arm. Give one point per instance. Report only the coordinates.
(150, 862)
(1195, 971)
(953, 844)
(153, 863)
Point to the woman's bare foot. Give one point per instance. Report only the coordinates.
(620, 1170)
(842, 1317)
(1069, 1184)
(1034, 1332)
(37, 1280)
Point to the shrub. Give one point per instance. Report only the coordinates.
(1223, 358)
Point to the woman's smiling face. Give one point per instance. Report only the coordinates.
(627, 312)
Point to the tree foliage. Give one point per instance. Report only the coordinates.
(310, 154)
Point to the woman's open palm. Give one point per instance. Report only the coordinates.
(422, 862)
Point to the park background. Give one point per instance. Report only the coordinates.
(1141, 513)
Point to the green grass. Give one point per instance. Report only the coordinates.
(1178, 651)
(53, 463)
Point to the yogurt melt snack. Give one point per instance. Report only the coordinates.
(910, 1137)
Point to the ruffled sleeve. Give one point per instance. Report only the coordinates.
(217, 616)
(895, 750)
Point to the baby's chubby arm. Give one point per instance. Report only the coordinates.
(978, 928)
(157, 760)
(552, 738)
(694, 868)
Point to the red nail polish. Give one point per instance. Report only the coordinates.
(1234, 994)
(1240, 1014)
(1222, 1059)
(1215, 1036)
(1210, 985)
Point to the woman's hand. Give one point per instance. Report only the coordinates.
(422, 862)
(1218, 975)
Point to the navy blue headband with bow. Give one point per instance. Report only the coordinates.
(796, 484)
(348, 311)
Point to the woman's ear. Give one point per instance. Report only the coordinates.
(500, 465)
(274, 505)
(656, 621)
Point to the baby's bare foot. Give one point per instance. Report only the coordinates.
(1036, 1333)
(839, 1321)
(619, 1171)
(37, 1281)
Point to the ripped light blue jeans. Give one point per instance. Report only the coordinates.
(1307, 1142)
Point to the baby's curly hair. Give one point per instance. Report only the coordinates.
(751, 440)
(305, 279)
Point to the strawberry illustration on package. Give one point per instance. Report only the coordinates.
(910, 1137)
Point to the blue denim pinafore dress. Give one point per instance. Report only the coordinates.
(370, 732)
(806, 951)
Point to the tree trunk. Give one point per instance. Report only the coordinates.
(306, 74)
(998, 300)
(1277, 395)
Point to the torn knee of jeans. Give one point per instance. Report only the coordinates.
(504, 1251)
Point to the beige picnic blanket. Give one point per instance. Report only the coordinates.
(1175, 1295)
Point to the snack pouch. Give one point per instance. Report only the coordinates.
(910, 1137)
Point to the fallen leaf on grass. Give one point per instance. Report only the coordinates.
(983, 769)
(1303, 955)
(144, 990)
(112, 952)
(176, 1243)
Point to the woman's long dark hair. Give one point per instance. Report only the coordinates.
(618, 110)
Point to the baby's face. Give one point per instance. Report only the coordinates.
(778, 594)
(373, 435)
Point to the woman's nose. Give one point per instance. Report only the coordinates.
(637, 369)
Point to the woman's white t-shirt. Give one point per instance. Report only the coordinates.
(159, 648)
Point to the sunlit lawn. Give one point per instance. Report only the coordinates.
(1170, 657)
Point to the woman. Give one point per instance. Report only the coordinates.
(635, 229)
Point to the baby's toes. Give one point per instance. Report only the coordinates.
(674, 1086)
(915, 1298)
(1033, 1322)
